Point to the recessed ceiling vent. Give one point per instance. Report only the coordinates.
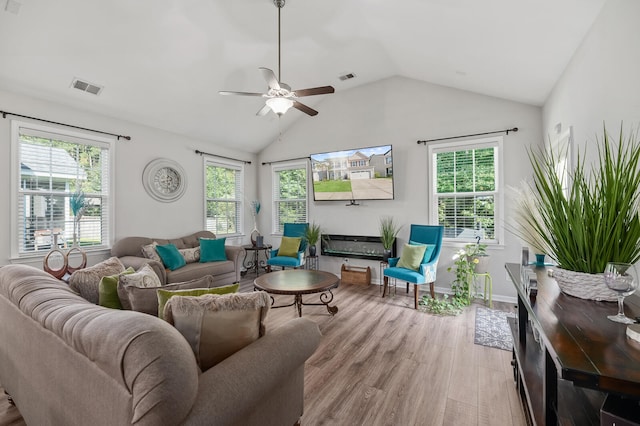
(347, 76)
(85, 86)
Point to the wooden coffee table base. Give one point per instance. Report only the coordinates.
(298, 282)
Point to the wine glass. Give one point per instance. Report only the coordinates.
(621, 278)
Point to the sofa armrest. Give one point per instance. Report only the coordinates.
(137, 262)
(236, 254)
(231, 389)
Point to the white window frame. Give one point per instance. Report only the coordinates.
(492, 142)
(234, 165)
(107, 196)
(274, 185)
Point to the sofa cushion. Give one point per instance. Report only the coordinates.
(171, 257)
(217, 326)
(86, 281)
(145, 300)
(289, 246)
(149, 251)
(212, 250)
(108, 290)
(144, 277)
(191, 255)
(164, 294)
(196, 270)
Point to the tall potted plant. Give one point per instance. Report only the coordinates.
(594, 222)
(388, 233)
(312, 235)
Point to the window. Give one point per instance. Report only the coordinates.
(223, 198)
(289, 195)
(465, 190)
(54, 166)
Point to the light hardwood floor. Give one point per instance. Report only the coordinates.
(381, 362)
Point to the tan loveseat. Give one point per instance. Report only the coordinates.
(65, 361)
(129, 250)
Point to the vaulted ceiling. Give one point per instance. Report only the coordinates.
(162, 62)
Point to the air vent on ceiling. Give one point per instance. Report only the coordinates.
(86, 86)
(347, 76)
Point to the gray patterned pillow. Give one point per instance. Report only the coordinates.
(145, 277)
(191, 255)
(149, 251)
(86, 281)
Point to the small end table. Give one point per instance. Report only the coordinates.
(312, 263)
(254, 262)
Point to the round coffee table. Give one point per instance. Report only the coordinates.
(297, 282)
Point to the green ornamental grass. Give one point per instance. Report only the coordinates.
(597, 220)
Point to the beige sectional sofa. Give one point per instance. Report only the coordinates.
(129, 250)
(66, 361)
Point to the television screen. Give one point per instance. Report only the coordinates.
(354, 174)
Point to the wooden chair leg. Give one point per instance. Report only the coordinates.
(407, 288)
(415, 295)
(432, 289)
(385, 285)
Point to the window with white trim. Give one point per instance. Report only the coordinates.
(466, 190)
(52, 168)
(289, 194)
(223, 197)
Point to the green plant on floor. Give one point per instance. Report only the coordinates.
(465, 261)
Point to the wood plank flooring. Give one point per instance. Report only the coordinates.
(383, 363)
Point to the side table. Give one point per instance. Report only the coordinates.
(254, 263)
(312, 262)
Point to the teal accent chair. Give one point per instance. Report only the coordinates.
(426, 274)
(290, 230)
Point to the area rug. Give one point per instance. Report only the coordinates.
(492, 329)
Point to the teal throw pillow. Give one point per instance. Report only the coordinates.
(171, 257)
(428, 252)
(411, 256)
(212, 250)
(108, 290)
(165, 295)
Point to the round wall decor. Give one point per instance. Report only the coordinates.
(164, 179)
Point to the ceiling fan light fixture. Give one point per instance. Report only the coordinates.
(279, 105)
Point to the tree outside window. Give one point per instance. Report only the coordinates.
(289, 195)
(223, 199)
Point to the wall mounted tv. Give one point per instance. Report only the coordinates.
(353, 174)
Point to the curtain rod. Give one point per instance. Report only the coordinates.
(515, 129)
(283, 161)
(222, 156)
(5, 113)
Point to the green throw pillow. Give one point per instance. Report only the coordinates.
(411, 256)
(212, 250)
(170, 256)
(427, 252)
(289, 246)
(165, 295)
(108, 290)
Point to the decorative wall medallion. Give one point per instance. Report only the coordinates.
(164, 179)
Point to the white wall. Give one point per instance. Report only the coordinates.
(136, 212)
(402, 111)
(602, 81)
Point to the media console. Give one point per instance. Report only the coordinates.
(569, 359)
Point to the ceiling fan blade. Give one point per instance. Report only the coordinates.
(222, 92)
(304, 108)
(263, 111)
(323, 90)
(270, 76)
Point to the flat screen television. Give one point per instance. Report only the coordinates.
(353, 174)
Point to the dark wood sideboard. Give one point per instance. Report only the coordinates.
(569, 358)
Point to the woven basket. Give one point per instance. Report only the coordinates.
(584, 285)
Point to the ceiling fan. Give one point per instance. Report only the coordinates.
(280, 97)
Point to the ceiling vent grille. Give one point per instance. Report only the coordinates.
(347, 76)
(86, 86)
